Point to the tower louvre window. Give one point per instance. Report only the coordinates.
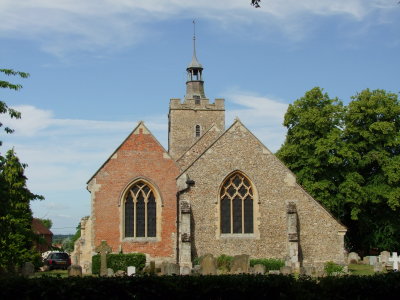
(196, 99)
(197, 130)
(140, 211)
(236, 205)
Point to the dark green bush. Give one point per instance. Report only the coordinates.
(269, 263)
(120, 261)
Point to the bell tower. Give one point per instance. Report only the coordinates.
(190, 119)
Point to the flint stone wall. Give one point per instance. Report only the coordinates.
(321, 236)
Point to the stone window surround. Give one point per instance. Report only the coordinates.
(159, 205)
(256, 213)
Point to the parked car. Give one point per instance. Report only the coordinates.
(57, 260)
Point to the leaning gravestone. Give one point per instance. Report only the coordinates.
(353, 258)
(74, 270)
(103, 249)
(240, 264)
(168, 268)
(259, 269)
(28, 269)
(384, 257)
(208, 265)
(131, 271)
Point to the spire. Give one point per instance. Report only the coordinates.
(194, 83)
(194, 63)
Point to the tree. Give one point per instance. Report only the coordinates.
(312, 149)
(255, 3)
(371, 185)
(16, 236)
(4, 109)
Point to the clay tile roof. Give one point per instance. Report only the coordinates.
(39, 228)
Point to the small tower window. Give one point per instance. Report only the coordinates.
(196, 99)
(197, 130)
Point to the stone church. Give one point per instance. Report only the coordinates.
(216, 190)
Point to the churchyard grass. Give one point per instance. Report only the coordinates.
(360, 269)
(52, 273)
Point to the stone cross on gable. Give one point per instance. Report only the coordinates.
(103, 249)
(395, 259)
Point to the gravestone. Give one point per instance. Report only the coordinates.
(74, 270)
(120, 273)
(196, 269)
(208, 265)
(395, 259)
(185, 270)
(131, 271)
(384, 257)
(28, 269)
(379, 267)
(307, 270)
(103, 249)
(168, 268)
(259, 269)
(274, 272)
(373, 260)
(353, 258)
(110, 272)
(240, 264)
(286, 270)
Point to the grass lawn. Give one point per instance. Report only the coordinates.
(361, 269)
(52, 273)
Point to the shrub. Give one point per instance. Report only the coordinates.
(120, 262)
(330, 268)
(224, 262)
(269, 263)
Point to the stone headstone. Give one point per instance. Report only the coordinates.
(185, 270)
(28, 269)
(110, 272)
(395, 260)
(353, 258)
(373, 260)
(285, 270)
(259, 269)
(103, 249)
(131, 271)
(274, 272)
(379, 267)
(208, 265)
(74, 270)
(196, 269)
(168, 268)
(240, 264)
(384, 257)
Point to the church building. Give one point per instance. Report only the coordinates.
(215, 190)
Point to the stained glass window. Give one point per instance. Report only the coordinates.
(140, 211)
(236, 205)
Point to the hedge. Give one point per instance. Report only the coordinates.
(380, 286)
(120, 262)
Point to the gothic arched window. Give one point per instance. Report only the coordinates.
(140, 211)
(236, 205)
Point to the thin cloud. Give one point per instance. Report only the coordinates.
(66, 26)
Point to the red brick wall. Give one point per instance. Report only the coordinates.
(140, 156)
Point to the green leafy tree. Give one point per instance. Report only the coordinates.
(16, 236)
(371, 185)
(312, 149)
(47, 223)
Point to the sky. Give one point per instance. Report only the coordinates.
(98, 67)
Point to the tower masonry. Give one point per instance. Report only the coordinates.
(190, 119)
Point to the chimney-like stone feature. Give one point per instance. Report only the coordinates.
(293, 236)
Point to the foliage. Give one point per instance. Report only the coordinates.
(4, 109)
(331, 268)
(380, 286)
(47, 223)
(269, 263)
(224, 262)
(16, 235)
(120, 261)
(348, 159)
(256, 3)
